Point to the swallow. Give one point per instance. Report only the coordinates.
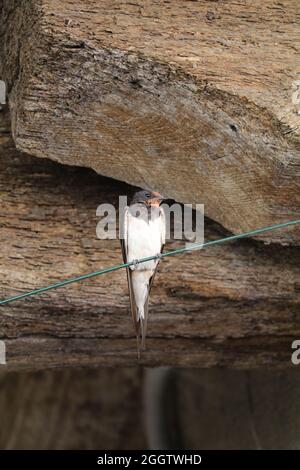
(144, 230)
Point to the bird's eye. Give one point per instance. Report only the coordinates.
(148, 195)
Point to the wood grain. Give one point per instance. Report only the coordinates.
(235, 305)
(193, 99)
(72, 409)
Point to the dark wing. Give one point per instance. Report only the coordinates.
(123, 242)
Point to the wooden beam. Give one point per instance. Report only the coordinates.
(193, 99)
(72, 409)
(235, 305)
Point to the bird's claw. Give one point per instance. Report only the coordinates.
(135, 262)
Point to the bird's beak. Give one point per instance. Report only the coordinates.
(158, 197)
(155, 200)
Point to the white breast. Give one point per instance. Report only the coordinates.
(144, 238)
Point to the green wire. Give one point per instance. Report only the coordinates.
(149, 258)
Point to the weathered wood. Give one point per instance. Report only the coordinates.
(235, 305)
(193, 99)
(250, 409)
(72, 409)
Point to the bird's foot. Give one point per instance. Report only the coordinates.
(135, 262)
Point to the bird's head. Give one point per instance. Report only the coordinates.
(149, 198)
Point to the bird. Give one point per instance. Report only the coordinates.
(143, 235)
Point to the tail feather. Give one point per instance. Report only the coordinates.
(145, 324)
(142, 320)
(142, 323)
(138, 346)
